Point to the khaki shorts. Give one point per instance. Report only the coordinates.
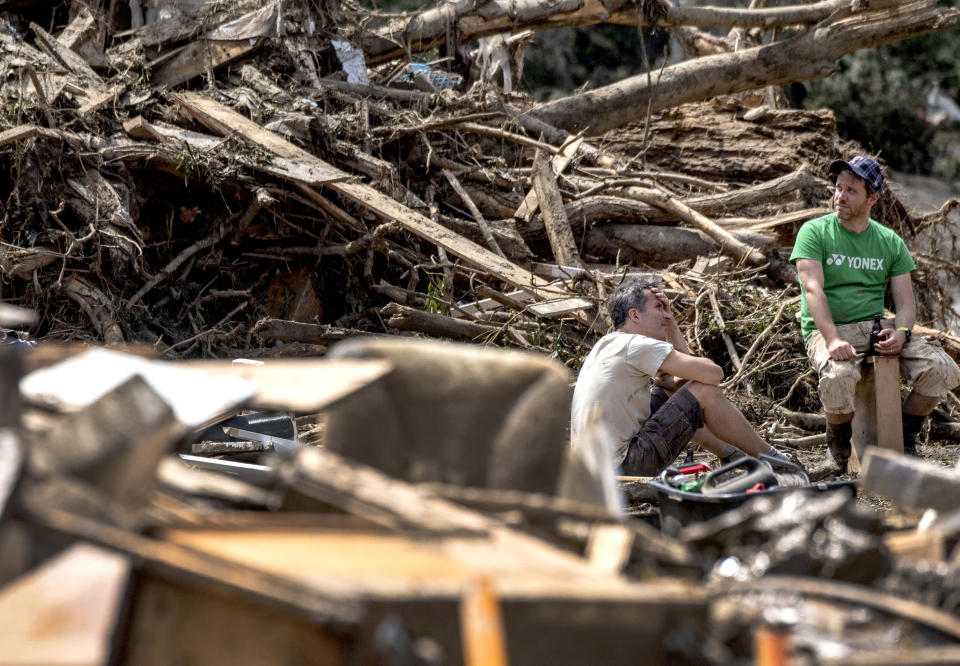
(662, 437)
(923, 365)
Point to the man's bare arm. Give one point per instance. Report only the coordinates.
(901, 287)
(685, 366)
(810, 272)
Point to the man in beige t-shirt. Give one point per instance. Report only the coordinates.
(649, 396)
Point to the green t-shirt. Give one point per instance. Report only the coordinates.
(856, 268)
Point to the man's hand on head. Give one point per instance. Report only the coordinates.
(664, 301)
(891, 342)
(841, 350)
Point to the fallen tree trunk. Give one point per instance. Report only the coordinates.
(472, 19)
(296, 331)
(810, 55)
(629, 206)
(437, 325)
(637, 244)
(729, 244)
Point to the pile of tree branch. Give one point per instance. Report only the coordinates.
(227, 180)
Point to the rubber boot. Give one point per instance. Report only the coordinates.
(838, 442)
(912, 425)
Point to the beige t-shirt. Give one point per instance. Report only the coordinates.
(614, 387)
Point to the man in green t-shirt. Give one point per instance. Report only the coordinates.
(844, 261)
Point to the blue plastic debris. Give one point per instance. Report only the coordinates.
(440, 79)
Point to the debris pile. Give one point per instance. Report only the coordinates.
(261, 180)
(388, 548)
(209, 184)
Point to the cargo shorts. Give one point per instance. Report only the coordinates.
(661, 438)
(924, 365)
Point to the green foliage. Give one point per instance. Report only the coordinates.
(435, 293)
(878, 95)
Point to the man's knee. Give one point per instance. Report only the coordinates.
(708, 395)
(838, 386)
(933, 373)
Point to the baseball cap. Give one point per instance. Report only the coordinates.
(864, 167)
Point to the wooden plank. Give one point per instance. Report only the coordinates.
(555, 271)
(422, 226)
(81, 28)
(291, 159)
(199, 56)
(561, 307)
(560, 161)
(28, 131)
(371, 494)
(172, 623)
(99, 99)
(195, 140)
(554, 217)
(910, 481)
(64, 613)
(140, 128)
(487, 304)
(304, 385)
(324, 600)
(609, 547)
(196, 397)
(228, 122)
(68, 58)
(889, 414)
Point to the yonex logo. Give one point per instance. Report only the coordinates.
(866, 263)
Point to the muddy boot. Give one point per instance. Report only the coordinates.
(912, 425)
(838, 441)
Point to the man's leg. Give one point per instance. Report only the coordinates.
(673, 421)
(727, 452)
(703, 437)
(837, 386)
(725, 421)
(916, 408)
(931, 374)
(839, 438)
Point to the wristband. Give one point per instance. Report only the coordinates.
(905, 330)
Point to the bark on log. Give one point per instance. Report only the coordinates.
(657, 245)
(436, 325)
(472, 19)
(730, 245)
(809, 55)
(554, 218)
(627, 208)
(731, 142)
(296, 331)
